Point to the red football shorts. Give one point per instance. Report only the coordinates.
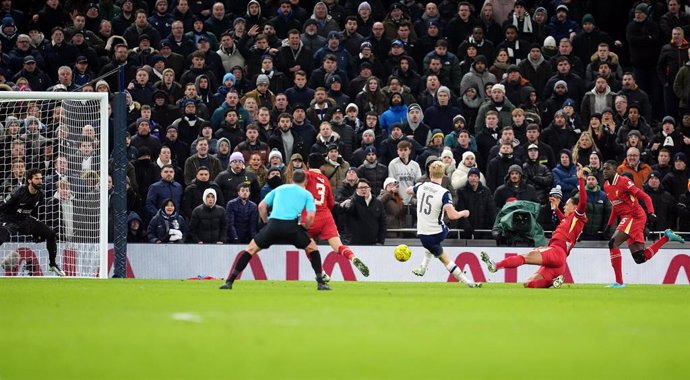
(323, 226)
(552, 262)
(633, 226)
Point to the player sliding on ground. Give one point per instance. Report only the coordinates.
(287, 201)
(324, 226)
(16, 216)
(433, 201)
(625, 198)
(552, 258)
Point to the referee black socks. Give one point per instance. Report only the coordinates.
(242, 263)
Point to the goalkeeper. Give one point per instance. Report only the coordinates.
(17, 212)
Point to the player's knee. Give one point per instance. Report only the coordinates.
(638, 256)
(612, 243)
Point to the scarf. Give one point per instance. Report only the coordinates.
(526, 25)
(535, 64)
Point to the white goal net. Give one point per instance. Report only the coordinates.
(64, 135)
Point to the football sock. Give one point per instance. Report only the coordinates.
(539, 283)
(511, 262)
(457, 273)
(241, 264)
(427, 259)
(652, 250)
(617, 264)
(346, 251)
(315, 259)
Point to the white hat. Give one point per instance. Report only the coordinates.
(388, 181)
(446, 152)
(275, 153)
(499, 86)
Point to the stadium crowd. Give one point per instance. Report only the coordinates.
(226, 99)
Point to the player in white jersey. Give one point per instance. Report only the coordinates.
(433, 203)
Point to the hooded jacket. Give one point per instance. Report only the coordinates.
(243, 218)
(523, 191)
(208, 224)
(394, 114)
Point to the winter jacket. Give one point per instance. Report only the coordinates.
(559, 138)
(598, 211)
(375, 173)
(639, 174)
(243, 218)
(160, 191)
(676, 182)
(347, 137)
(194, 162)
(644, 42)
(523, 192)
(366, 222)
(478, 80)
(480, 204)
(394, 114)
(193, 194)
(539, 176)
(161, 224)
(665, 207)
(228, 181)
(441, 117)
(208, 224)
(335, 172)
(505, 114)
(566, 178)
(497, 170)
(588, 106)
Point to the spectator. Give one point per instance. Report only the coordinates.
(167, 226)
(146, 172)
(498, 103)
(274, 178)
(145, 138)
(508, 137)
(537, 174)
(373, 171)
(393, 207)
(365, 216)
(635, 121)
(636, 95)
(668, 138)
(193, 193)
(61, 211)
(603, 131)
(208, 224)
(663, 163)
(243, 217)
(404, 170)
(557, 135)
(460, 175)
(535, 69)
(583, 148)
(514, 187)
(478, 200)
(335, 167)
(565, 174)
(664, 203)
(598, 210)
(433, 148)
(597, 99)
(285, 139)
(228, 180)
(498, 167)
(256, 166)
(165, 188)
(135, 228)
(632, 164)
(201, 158)
(676, 182)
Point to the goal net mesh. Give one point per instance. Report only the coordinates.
(62, 138)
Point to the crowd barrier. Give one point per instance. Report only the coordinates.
(177, 261)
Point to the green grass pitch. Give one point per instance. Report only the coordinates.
(146, 329)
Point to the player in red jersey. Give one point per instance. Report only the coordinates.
(625, 198)
(552, 258)
(324, 226)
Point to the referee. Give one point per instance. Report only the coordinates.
(287, 201)
(15, 217)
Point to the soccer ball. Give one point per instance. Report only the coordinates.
(402, 253)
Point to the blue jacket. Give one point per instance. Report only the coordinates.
(160, 191)
(567, 178)
(394, 114)
(242, 220)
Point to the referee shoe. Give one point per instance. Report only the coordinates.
(56, 269)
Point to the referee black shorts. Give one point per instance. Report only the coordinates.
(282, 232)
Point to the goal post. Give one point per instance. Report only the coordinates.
(65, 135)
